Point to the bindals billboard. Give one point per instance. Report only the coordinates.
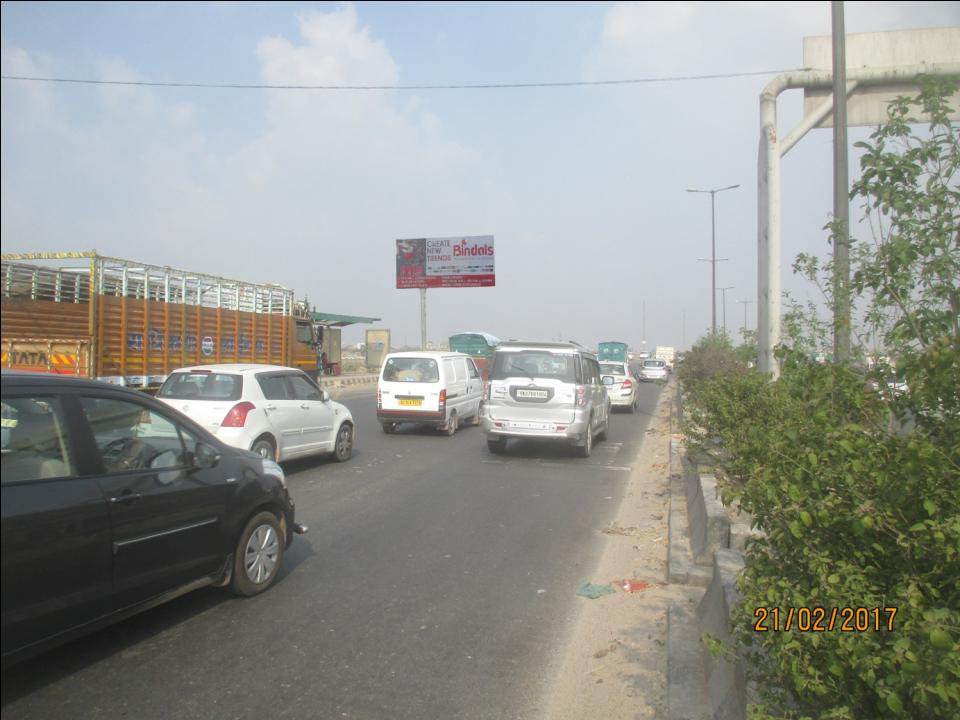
(446, 262)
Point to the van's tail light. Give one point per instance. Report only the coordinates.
(443, 399)
(379, 400)
(486, 391)
(626, 384)
(237, 416)
(581, 396)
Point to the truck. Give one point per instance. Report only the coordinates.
(478, 345)
(131, 323)
(665, 353)
(612, 351)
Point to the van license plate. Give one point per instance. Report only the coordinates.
(411, 402)
(535, 394)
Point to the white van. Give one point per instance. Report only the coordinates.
(442, 389)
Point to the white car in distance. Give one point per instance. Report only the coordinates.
(620, 384)
(277, 412)
(653, 370)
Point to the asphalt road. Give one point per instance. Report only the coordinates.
(436, 582)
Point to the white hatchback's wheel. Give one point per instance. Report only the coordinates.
(343, 449)
(264, 448)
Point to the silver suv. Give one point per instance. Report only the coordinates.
(545, 390)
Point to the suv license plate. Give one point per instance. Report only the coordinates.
(534, 394)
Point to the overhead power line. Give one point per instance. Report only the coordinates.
(459, 86)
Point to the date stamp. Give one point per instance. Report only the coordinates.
(819, 619)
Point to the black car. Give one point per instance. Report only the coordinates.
(114, 503)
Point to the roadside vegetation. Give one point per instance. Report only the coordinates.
(852, 470)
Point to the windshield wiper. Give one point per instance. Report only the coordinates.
(523, 370)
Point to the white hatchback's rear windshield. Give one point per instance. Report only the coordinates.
(653, 363)
(202, 386)
(411, 369)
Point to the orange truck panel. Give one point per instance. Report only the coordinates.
(145, 321)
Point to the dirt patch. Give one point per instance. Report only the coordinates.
(615, 660)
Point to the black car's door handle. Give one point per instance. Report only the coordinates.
(125, 497)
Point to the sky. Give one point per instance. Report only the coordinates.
(583, 188)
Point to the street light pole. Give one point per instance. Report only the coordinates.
(723, 294)
(745, 303)
(713, 249)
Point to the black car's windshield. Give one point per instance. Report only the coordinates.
(202, 386)
(534, 364)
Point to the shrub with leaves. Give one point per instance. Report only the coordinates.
(856, 484)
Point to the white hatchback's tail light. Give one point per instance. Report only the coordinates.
(237, 417)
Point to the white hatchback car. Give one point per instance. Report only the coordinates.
(277, 412)
(622, 387)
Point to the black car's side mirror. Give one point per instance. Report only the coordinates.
(205, 456)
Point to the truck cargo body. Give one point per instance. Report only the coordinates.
(132, 324)
(665, 353)
(478, 345)
(612, 352)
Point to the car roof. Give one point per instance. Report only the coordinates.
(534, 345)
(26, 377)
(235, 368)
(435, 354)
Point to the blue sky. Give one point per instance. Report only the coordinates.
(583, 188)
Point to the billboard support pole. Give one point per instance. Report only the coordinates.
(768, 180)
(423, 318)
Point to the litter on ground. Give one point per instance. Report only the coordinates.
(591, 591)
(632, 585)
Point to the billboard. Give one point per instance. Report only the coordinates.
(446, 262)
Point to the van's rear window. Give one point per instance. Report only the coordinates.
(411, 369)
(533, 364)
(202, 386)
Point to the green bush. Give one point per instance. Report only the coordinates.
(856, 485)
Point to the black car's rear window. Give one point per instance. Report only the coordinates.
(534, 364)
(202, 386)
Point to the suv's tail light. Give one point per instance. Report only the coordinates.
(626, 384)
(379, 400)
(237, 416)
(581, 396)
(443, 399)
(486, 391)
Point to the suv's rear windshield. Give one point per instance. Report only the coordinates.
(411, 369)
(612, 369)
(534, 364)
(202, 386)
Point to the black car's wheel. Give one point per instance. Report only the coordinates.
(258, 555)
(497, 445)
(343, 449)
(264, 448)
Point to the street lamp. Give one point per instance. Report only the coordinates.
(723, 294)
(713, 245)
